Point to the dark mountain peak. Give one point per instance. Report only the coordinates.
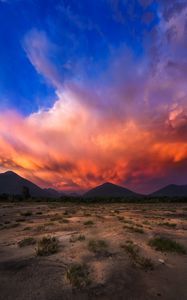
(171, 185)
(9, 173)
(107, 184)
(171, 190)
(109, 189)
(12, 184)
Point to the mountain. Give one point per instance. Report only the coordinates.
(12, 184)
(53, 193)
(74, 194)
(110, 190)
(171, 190)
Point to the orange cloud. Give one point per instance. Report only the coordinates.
(71, 146)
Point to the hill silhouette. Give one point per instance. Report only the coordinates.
(12, 184)
(109, 189)
(171, 190)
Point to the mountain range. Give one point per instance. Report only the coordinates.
(12, 184)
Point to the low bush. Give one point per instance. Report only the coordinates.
(78, 275)
(167, 245)
(47, 246)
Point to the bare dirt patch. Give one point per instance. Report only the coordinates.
(93, 251)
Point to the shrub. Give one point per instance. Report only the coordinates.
(127, 221)
(74, 239)
(27, 242)
(98, 247)
(87, 214)
(78, 275)
(170, 225)
(49, 224)
(26, 214)
(65, 221)
(12, 225)
(131, 249)
(39, 213)
(56, 218)
(27, 228)
(141, 261)
(81, 237)
(89, 222)
(40, 228)
(47, 246)
(134, 229)
(166, 245)
(20, 220)
(7, 222)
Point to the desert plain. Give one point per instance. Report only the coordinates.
(54, 251)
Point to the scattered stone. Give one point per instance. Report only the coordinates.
(162, 261)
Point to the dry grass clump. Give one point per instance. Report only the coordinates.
(134, 229)
(78, 275)
(47, 246)
(99, 247)
(80, 238)
(133, 252)
(26, 213)
(27, 242)
(167, 224)
(166, 245)
(88, 223)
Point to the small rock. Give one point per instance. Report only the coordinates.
(161, 261)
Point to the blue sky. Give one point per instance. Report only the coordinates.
(84, 34)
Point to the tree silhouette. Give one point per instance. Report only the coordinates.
(25, 192)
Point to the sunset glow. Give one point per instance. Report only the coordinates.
(81, 105)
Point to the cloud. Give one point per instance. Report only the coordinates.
(128, 125)
(40, 50)
(74, 147)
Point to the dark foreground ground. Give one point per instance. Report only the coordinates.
(109, 242)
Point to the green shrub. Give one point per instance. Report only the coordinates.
(47, 246)
(98, 247)
(166, 245)
(78, 275)
(141, 261)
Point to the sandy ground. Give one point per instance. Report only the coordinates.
(114, 275)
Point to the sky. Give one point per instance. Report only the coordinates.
(94, 91)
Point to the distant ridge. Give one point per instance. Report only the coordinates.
(109, 189)
(12, 184)
(171, 190)
(53, 193)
